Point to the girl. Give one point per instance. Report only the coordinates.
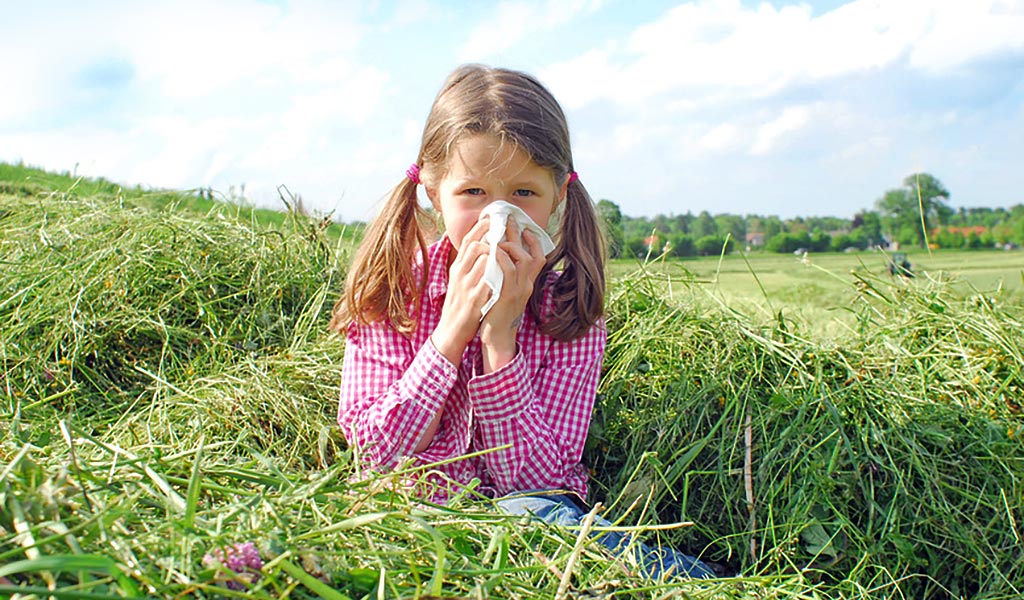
(426, 376)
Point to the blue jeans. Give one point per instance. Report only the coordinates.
(559, 509)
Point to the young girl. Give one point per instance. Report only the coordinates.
(428, 375)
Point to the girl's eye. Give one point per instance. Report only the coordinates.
(523, 193)
(474, 191)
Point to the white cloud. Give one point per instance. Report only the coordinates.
(769, 134)
(719, 138)
(511, 20)
(684, 111)
(708, 45)
(178, 50)
(964, 31)
(216, 94)
(409, 12)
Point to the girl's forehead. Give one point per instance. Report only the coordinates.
(483, 154)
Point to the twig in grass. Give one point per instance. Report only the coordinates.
(175, 502)
(748, 485)
(74, 461)
(1009, 515)
(23, 529)
(581, 539)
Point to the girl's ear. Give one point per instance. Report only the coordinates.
(432, 195)
(562, 191)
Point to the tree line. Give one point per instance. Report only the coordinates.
(917, 213)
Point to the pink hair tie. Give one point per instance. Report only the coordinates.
(574, 176)
(413, 173)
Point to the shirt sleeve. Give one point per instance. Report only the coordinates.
(542, 416)
(390, 392)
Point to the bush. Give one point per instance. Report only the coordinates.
(712, 245)
(788, 242)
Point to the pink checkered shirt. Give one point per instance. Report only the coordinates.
(540, 404)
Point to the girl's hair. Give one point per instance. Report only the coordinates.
(515, 107)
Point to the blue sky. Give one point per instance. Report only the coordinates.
(786, 108)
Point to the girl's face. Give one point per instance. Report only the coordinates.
(481, 170)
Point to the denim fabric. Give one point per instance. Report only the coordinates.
(561, 510)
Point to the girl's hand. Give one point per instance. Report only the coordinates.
(466, 295)
(521, 260)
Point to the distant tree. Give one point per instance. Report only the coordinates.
(1002, 234)
(612, 217)
(682, 222)
(712, 244)
(948, 239)
(797, 225)
(704, 226)
(788, 242)
(636, 246)
(663, 224)
(772, 226)
(932, 196)
(682, 245)
(819, 242)
(867, 226)
(733, 225)
(918, 206)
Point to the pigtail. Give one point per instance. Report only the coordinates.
(381, 279)
(577, 297)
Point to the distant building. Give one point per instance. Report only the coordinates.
(755, 239)
(978, 230)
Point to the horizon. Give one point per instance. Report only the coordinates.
(767, 108)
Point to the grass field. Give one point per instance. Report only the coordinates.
(169, 390)
(819, 289)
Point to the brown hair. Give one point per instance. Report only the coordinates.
(518, 109)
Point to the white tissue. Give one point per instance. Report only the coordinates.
(500, 211)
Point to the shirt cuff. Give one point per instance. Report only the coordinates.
(432, 378)
(502, 394)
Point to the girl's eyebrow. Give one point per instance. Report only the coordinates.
(519, 180)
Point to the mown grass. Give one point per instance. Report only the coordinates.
(26, 181)
(171, 389)
(815, 289)
(887, 463)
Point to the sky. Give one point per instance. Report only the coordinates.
(811, 108)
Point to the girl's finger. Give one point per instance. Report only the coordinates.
(532, 243)
(516, 251)
(512, 232)
(470, 254)
(478, 231)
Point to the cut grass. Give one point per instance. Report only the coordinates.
(170, 389)
(890, 462)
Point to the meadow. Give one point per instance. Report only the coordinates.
(815, 288)
(170, 390)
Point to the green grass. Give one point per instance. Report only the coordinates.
(170, 389)
(33, 182)
(815, 290)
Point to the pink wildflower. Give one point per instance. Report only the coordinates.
(243, 559)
